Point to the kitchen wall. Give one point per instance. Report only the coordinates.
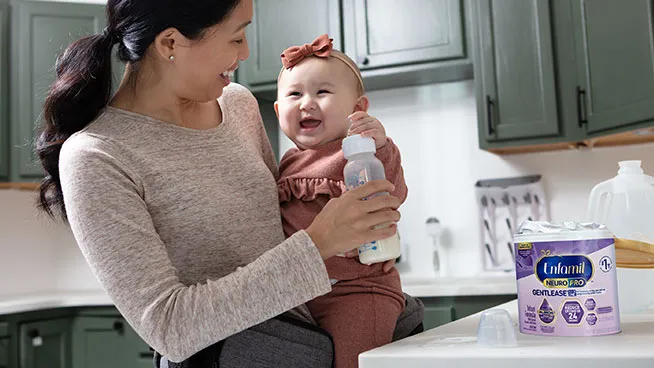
(435, 128)
(36, 254)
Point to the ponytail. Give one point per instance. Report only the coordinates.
(82, 88)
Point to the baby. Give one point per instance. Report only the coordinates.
(320, 100)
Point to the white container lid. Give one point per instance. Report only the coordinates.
(540, 231)
(356, 144)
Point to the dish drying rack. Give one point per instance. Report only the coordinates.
(503, 205)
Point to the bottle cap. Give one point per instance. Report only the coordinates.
(630, 167)
(356, 144)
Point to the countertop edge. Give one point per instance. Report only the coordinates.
(422, 287)
(459, 286)
(49, 300)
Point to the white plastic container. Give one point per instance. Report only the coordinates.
(625, 204)
(362, 167)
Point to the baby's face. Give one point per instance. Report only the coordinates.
(314, 99)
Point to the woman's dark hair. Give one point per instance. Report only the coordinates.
(83, 72)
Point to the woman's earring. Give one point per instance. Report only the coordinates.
(171, 58)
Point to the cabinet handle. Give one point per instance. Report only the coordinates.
(119, 327)
(581, 107)
(146, 355)
(35, 336)
(364, 61)
(33, 333)
(489, 112)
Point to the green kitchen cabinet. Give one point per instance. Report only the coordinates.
(102, 338)
(468, 305)
(554, 74)
(614, 62)
(395, 43)
(5, 345)
(407, 43)
(383, 33)
(45, 344)
(279, 24)
(100, 342)
(4, 90)
(40, 31)
(514, 69)
(85, 337)
(437, 315)
(442, 310)
(139, 354)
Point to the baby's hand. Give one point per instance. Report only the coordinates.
(368, 126)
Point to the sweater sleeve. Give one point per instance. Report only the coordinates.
(266, 148)
(389, 155)
(115, 232)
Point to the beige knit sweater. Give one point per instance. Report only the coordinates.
(182, 227)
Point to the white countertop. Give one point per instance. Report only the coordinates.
(59, 299)
(454, 345)
(491, 284)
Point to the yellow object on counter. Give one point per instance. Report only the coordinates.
(633, 253)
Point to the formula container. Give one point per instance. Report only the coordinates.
(567, 284)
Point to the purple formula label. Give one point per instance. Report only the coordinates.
(566, 281)
(546, 313)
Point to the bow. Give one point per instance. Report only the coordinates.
(320, 47)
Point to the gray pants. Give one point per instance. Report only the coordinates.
(285, 342)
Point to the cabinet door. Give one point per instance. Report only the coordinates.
(100, 342)
(615, 62)
(139, 353)
(436, 315)
(279, 24)
(514, 70)
(468, 305)
(45, 344)
(41, 31)
(5, 345)
(431, 30)
(4, 90)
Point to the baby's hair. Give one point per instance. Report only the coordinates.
(349, 63)
(353, 66)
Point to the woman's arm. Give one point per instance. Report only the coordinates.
(111, 223)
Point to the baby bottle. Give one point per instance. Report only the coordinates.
(362, 166)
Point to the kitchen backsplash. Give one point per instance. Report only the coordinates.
(36, 254)
(435, 128)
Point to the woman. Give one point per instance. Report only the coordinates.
(169, 187)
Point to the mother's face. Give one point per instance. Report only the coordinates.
(202, 68)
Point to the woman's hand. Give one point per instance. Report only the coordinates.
(348, 221)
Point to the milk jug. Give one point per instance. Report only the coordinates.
(625, 204)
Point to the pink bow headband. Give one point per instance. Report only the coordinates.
(321, 47)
